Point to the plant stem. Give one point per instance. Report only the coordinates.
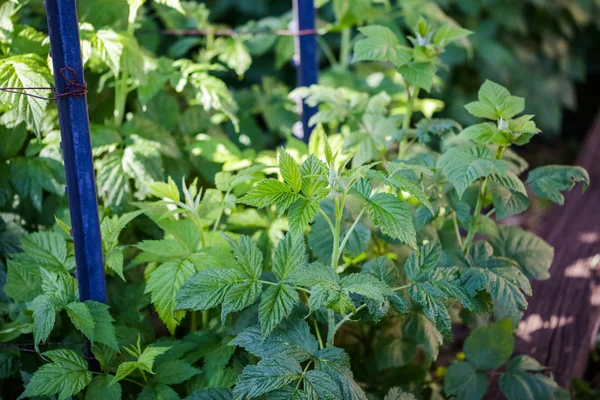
(326, 50)
(400, 287)
(343, 244)
(345, 48)
(479, 204)
(347, 318)
(318, 333)
(407, 117)
(132, 381)
(194, 321)
(277, 284)
(205, 319)
(330, 327)
(456, 230)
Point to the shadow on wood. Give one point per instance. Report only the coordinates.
(560, 325)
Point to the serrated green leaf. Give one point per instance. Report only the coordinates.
(423, 258)
(334, 362)
(44, 317)
(419, 74)
(396, 393)
(368, 286)
(66, 375)
(532, 254)
(517, 385)
(247, 254)
(320, 386)
(101, 389)
(301, 213)
(168, 190)
(314, 178)
(447, 34)
(486, 133)
(463, 166)
(173, 372)
(392, 216)
(207, 289)
(380, 44)
(276, 304)
(164, 284)
(211, 394)
(81, 317)
(312, 274)
(431, 299)
(268, 375)
(549, 181)
(270, 192)
(291, 339)
(103, 324)
(382, 268)
(290, 171)
(490, 347)
(464, 383)
(108, 46)
(289, 255)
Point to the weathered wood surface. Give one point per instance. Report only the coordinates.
(560, 325)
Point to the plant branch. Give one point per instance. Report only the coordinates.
(347, 318)
(456, 229)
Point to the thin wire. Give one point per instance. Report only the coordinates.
(229, 32)
(72, 89)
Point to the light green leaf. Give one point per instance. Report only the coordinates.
(490, 347)
(103, 324)
(301, 213)
(168, 190)
(247, 254)
(109, 47)
(449, 33)
(419, 74)
(392, 216)
(549, 181)
(368, 286)
(25, 71)
(44, 316)
(290, 171)
(268, 375)
(396, 393)
(486, 133)
(423, 258)
(268, 192)
(518, 383)
(276, 304)
(314, 178)
(163, 285)
(464, 383)
(380, 44)
(66, 375)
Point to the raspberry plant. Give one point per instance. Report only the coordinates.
(333, 270)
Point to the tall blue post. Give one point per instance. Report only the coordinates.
(76, 144)
(307, 56)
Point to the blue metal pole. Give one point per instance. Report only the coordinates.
(307, 67)
(76, 144)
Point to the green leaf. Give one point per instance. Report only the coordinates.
(102, 388)
(392, 216)
(549, 181)
(207, 289)
(423, 258)
(301, 213)
(290, 171)
(81, 317)
(380, 44)
(103, 324)
(11, 140)
(168, 190)
(314, 178)
(447, 34)
(382, 268)
(158, 391)
(495, 102)
(507, 201)
(291, 339)
(31, 176)
(276, 304)
(174, 372)
(211, 394)
(419, 74)
(431, 298)
(321, 386)
(270, 192)
(248, 256)
(396, 393)
(532, 254)
(464, 383)
(234, 54)
(490, 347)
(145, 362)
(518, 383)
(289, 255)
(486, 133)
(335, 362)
(463, 166)
(48, 250)
(368, 286)
(44, 317)
(164, 284)
(25, 71)
(268, 375)
(66, 375)
(312, 274)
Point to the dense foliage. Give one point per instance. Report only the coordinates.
(329, 270)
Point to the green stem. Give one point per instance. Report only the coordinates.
(205, 319)
(318, 333)
(326, 50)
(408, 116)
(456, 230)
(347, 318)
(343, 244)
(132, 381)
(401, 287)
(194, 321)
(330, 327)
(198, 223)
(301, 289)
(345, 47)
(479, 205)
(302, 377)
